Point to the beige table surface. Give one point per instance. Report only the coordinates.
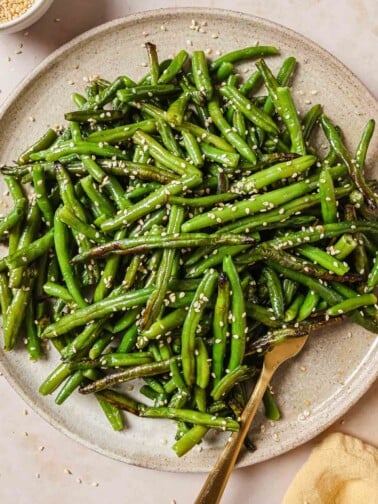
(38, 465)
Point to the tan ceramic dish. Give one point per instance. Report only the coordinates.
(335, 369)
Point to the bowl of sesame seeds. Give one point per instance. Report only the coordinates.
(16, 15)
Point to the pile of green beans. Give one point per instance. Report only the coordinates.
(176, 229)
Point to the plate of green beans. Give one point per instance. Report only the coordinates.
(185, 189)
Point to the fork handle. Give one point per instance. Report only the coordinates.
(216, 481)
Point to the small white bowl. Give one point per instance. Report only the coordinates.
(36, 11)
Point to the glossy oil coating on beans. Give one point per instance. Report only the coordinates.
(176, 228)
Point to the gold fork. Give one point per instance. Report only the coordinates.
(216, 481)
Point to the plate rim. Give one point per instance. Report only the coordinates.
(368, 374)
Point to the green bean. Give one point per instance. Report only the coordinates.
(42, 198)
(200, 399)
(112, 413)
(354, 173)
(78, 100)
(206, 136)
(96, 311)
(162, 326)
(31, 252)
(56, 290)
(33, 343)
(108, 273)
(100, 345)
(120, 401)
(32, 226)
(202, 364)
(20, 204)
(200, 74)
(239, 124)
(192, 147)
(149, 392)
(352, 304)
(239, 315)
(308, 306)
(68, 218)
(278, 215)
(177, 240)
(168, 138)
(174, 67)
(62, 254)
(224, 71)
(233, 138)
(229, 159)
(112, 360)
(363, 144)
(307, 235)
(153, 62)
(276, 295)
(202, 201)
(81, 148)
(162, 155)
(129, 339)
(14, 235)
(108, 93)
(176, 111)
(5, 296)
(164, 272)
(285, 107)
(94, 116)
(43, 143)
(145, 91)
(324, 292)
(310, 119)
(55, 378)
(224, 386)
(121, 133)
(344, 246)
(149, 203)
(272, 174)
(245, 53)
(189, 440)
(372, 279)
(192, 416)
(292, 311)
(101, 204)
(253, 82)
(271, 409)
(323, 258)
(289, 289)
(220, 326)
(328, 200)
(251, 112)
(71, 384)
(83, 341)
(253, 205)
(152, 369)
(198, 305)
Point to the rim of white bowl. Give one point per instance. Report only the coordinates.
(29, 12)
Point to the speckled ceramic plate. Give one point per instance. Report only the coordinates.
(335, 368)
